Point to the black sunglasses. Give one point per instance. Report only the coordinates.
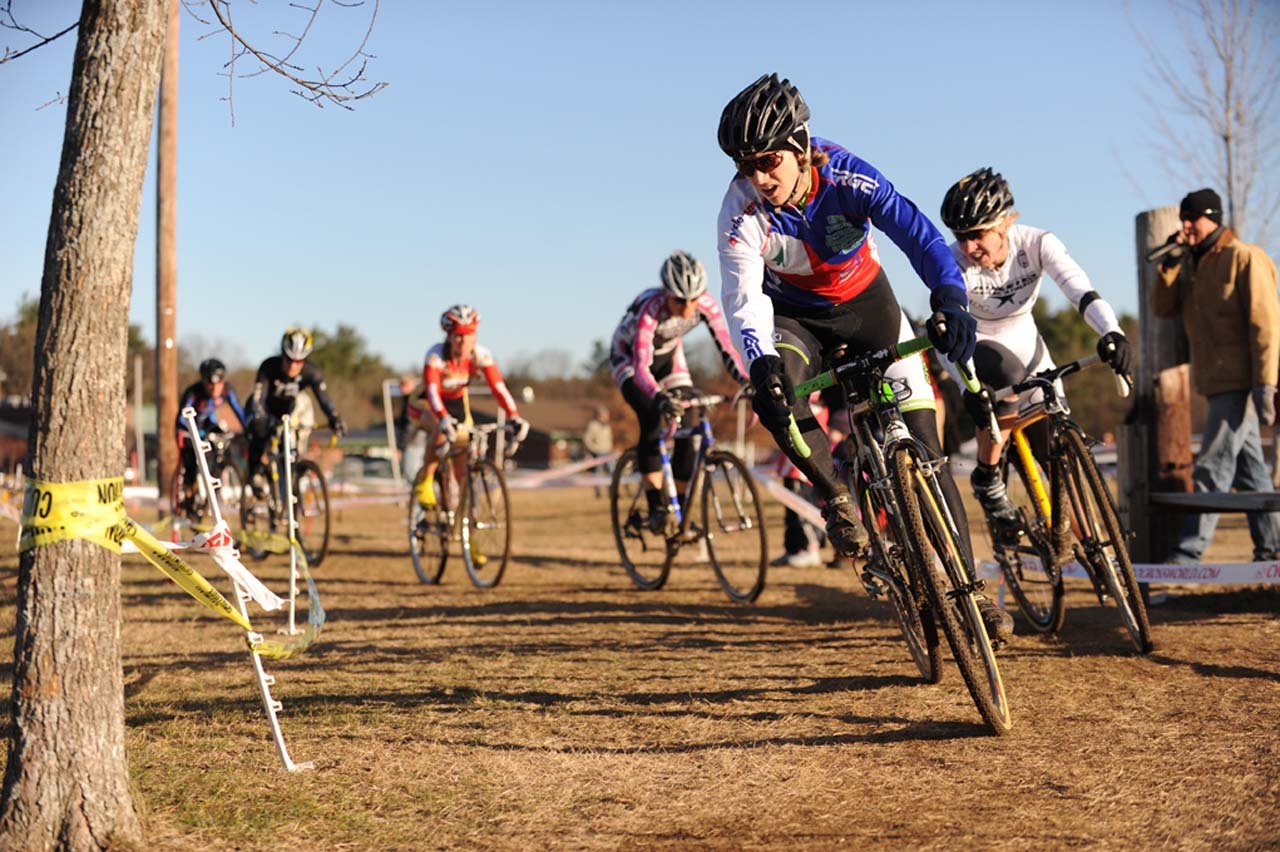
(965, 236)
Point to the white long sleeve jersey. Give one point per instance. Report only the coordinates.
(1001, 299)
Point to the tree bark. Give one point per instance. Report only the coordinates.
(66, 783)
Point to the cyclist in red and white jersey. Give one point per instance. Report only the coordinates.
(439, 406)
(1003, 263)
(649, 367)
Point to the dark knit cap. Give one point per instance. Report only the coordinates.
(1202, 202)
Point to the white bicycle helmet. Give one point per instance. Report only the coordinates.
(684, 277)
(296, 343)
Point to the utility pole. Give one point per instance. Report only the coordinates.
(167, 258)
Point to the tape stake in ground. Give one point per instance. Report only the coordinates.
(93, 510)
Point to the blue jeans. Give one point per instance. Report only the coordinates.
(1230, 456)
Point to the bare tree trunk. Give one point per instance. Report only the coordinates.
(66, 784)
(167, 260)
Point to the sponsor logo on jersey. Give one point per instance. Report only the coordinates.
(735, 224)
(862, 183)
(751, 343)
(842, 235)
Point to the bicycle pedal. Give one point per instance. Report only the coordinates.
(873, 587)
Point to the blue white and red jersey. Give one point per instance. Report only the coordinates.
(208, 408)
(445, 378)
(647, 344)
(819, 253)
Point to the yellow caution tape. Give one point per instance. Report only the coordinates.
(61, 511)
(94, 510)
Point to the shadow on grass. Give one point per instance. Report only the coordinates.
(638, 705)
(1213, 670)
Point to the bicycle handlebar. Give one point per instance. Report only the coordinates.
(1047, 378)
(880, 358)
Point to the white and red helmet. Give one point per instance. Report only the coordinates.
(460, 319)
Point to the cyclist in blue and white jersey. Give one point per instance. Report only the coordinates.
(1003, 263)
(801, 276)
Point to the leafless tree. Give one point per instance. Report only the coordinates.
(1214, 104)
(66, 784)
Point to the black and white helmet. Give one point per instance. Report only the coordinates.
(212, 370)
(296, 343)
(684, 277)
(768, 115)
(976, 201)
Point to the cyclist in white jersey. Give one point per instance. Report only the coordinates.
(1003, 263)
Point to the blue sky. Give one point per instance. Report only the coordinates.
(539, 160)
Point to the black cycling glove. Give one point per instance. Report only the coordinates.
(952, 328)
(775, 394)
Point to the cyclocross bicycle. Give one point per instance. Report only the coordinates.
(477, 514)
(262, 515)
(225, 466)
(732, 525)
(916, 559)
(1076, 501)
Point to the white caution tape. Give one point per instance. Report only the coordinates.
(1200, 573)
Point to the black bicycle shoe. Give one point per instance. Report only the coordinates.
(999, 624)
(843, 527)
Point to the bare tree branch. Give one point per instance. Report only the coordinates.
(1213, 104)
(338, 86)
(9, 22)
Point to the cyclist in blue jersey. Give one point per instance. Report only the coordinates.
(801, 276)
(207, 397)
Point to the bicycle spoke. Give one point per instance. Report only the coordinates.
(733, 523)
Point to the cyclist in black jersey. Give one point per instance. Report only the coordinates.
(280, 380)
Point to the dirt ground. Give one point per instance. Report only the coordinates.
(568, 709)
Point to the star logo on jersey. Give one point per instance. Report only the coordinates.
(1005, 298)
(841, 234)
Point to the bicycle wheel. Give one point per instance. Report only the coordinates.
(429, 531)
(311, 510)
(733, 523)
(946, 577)
(257, 521)
(486, 525)
(889, 569)
(1103, 540)
(646, 555)
(1029, 566)
(229, 495)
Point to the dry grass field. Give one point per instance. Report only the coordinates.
(567, 709)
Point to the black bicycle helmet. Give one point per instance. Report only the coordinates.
(683, 276)
(768, 115)
(213, 370)
(976, 201)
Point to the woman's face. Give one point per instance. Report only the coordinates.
(774, 175)
(989, 248)
(678, 307)
(292, 368)
(462, 345)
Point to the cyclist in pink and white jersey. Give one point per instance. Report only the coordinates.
(649, 367)
(438, 406)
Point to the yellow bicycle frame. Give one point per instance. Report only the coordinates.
(1023, 446)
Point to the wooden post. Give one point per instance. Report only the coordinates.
(1155, 441)
(167, 261)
